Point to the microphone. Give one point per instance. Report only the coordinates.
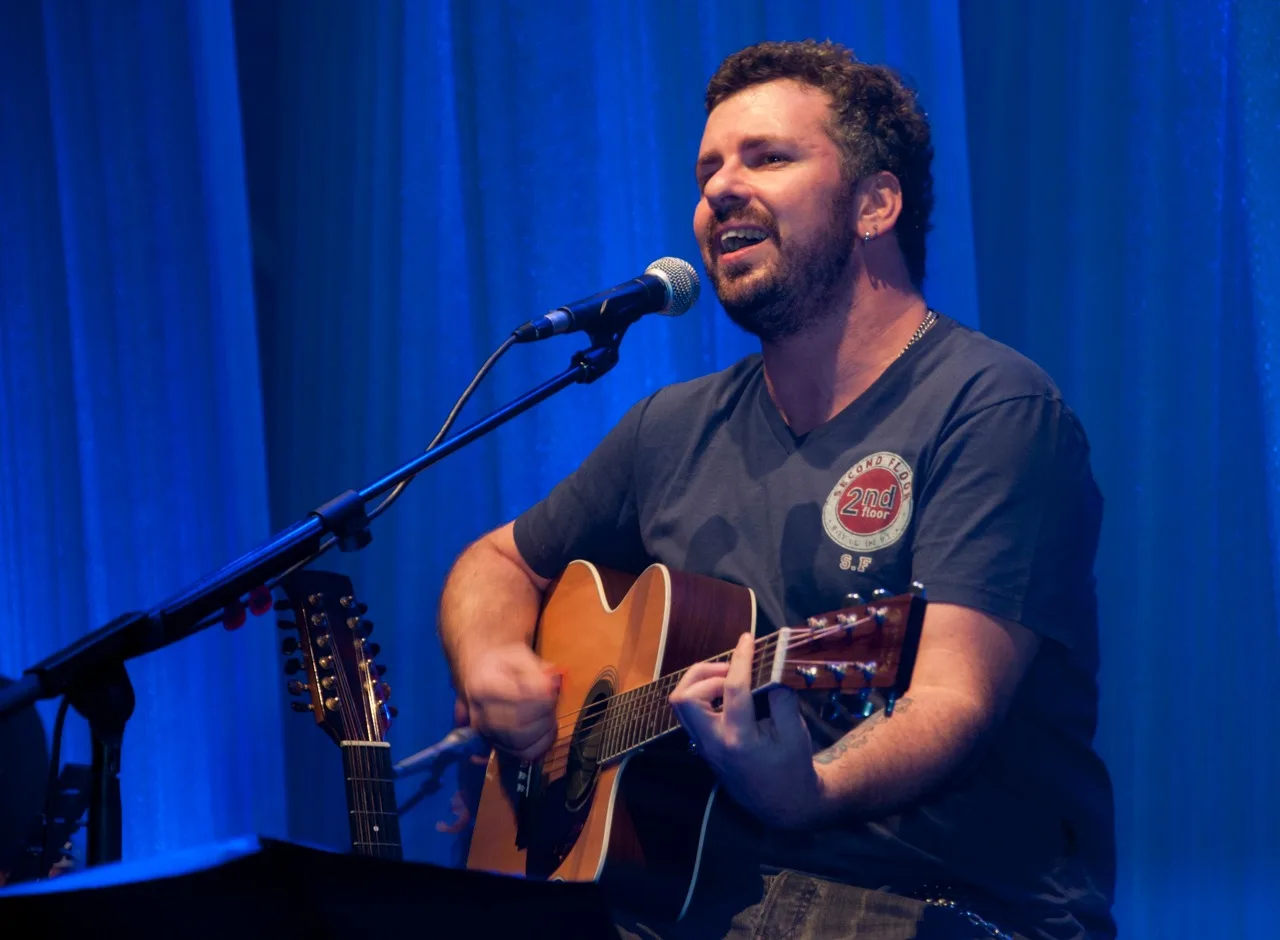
(459, 740)
(668, 286)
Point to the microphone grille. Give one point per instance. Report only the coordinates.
(683, 280)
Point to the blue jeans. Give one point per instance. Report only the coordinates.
(794, 906)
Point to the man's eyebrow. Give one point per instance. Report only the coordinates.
(754, 142)
(706, 160)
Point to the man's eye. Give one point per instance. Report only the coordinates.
(775, 158)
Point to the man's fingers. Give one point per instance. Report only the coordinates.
(784, 709)
(698, 693)
(739, 710)
(539, 747)
(700, 671)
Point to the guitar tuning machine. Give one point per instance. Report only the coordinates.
(864, 700)
(332, 704)
(854, 600)
(301, 706)
(831, 708)
(817, 623)
(889, 703)
(918, 589)
(808, 673)
(296, 687)
(351, 603)
(837, 671)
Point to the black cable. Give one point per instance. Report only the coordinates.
(55, 761)
(395, 493)
(448, 422)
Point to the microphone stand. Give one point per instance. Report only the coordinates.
(91, 670)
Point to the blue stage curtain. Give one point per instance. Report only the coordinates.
(424, 176)
(1125, 200)
(131, 432)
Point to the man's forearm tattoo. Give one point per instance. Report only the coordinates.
(858, 736)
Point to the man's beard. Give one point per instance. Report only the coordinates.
(801, 288)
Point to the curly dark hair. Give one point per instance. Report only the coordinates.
(876, 122)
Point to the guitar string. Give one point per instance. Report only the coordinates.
(632, 706)
(630, 709)
(652, 702)
(550, 764)
(635, 713)
(799, 637)
(346, 703)
(589, 710)
(357, 765)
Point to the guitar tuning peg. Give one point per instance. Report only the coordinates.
(879, 594)
(372, 650)
(296, 687)
(365, 627)
(383, 691)
(286, 625)
(889, 702)
(292, 664)
(853, 600)
(392, 711)
(300, 706)
(282, 605)
(864, 699)
(831, 707)
(362, 609)
(918, 589)
(289, 645)
(380, 670)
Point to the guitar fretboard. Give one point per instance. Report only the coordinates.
(371, 799)
(633, 719)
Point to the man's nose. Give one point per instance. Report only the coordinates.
(726, 191)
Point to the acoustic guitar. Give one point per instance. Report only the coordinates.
(333, 662)
(617, 799)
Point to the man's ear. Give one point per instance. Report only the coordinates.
(879, 203)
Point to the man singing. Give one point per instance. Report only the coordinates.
(872, 442)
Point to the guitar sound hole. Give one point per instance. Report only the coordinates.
(585, 747)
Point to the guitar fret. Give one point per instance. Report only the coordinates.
(610, 711)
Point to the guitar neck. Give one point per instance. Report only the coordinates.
(643, 715)
(371, 799)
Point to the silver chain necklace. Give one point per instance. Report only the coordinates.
(930, 318)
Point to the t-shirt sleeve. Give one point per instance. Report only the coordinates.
(1009, 517)
(592, 513)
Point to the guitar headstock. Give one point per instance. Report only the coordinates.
(332, 660)
(857, 649)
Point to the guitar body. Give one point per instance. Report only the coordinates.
(636, 825)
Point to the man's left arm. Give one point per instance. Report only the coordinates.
(967, 669)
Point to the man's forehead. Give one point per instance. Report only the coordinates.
(776, 109)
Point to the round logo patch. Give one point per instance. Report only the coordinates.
(871, 505)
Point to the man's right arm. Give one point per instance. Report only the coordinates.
(488, 611)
